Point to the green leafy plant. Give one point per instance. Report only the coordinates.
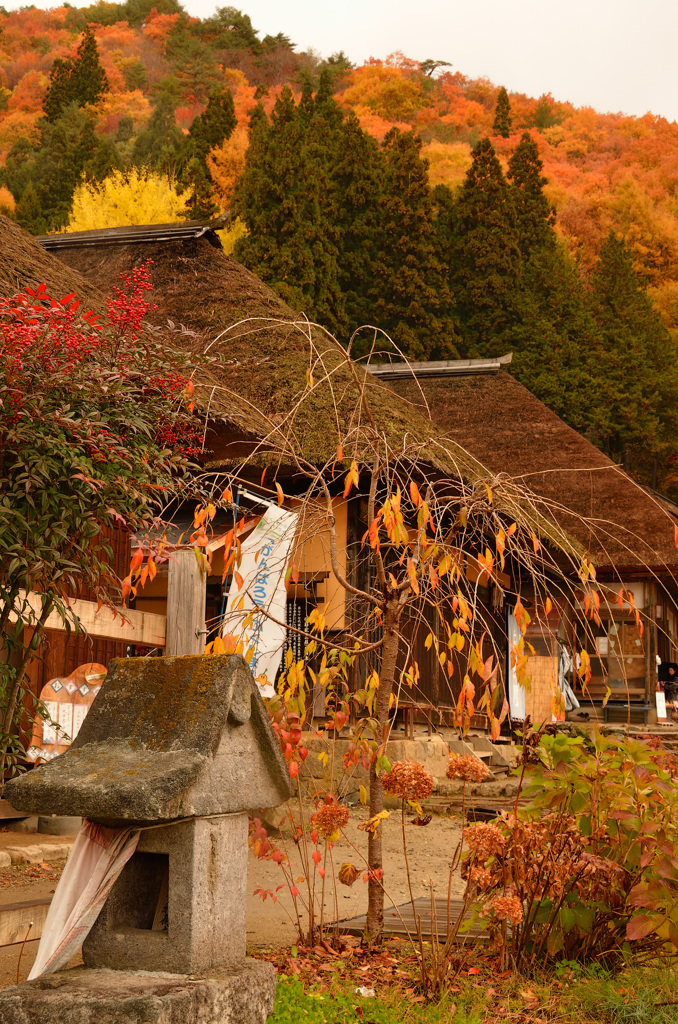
(588, 871)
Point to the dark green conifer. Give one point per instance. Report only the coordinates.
(59, 92)
(125, 129)
(89, 78)
(502, 115)
(306, 100)
(66, 148)
(409, 291)
(209, 129)
(555, 340)
(103, 158)
(28, 212)
(535, 216)
(326, 107)
(486, 266)
(81, 81)
(157, 147)
(357, 183)
(230, 29)
(638, 365)
(281, 197)
(216, 123)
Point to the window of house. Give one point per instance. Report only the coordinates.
(617, 652)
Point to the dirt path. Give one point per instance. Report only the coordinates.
(271, 924)
(430, 849)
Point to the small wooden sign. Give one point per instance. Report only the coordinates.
(67, 700)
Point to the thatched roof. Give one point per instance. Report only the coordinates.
(201, 292)
(264, 352)
(25, 264)
(511, 432)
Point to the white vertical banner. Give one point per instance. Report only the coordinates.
(516, 693)
(265, 555)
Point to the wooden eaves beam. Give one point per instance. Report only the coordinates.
(132, 627)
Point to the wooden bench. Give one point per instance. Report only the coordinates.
(409, 709)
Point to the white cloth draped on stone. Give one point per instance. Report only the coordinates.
(97, 858)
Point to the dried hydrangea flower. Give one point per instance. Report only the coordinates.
(483, 878)
(329, 820)
(409, 780)
(505, 908)
(484, 838)
(467, 767)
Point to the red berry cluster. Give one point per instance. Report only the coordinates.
(48, 348)
(129, 308)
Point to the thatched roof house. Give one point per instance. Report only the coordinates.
(626, 531)
(620, 524)
(209, 303)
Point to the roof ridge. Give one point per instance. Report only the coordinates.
(439, 368)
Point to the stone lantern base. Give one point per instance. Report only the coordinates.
(85, 996)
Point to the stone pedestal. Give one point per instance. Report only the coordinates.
(83, 996)
(179, 903)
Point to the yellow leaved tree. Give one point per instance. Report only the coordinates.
(226, 163)
(126, 197)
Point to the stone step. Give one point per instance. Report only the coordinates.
(47, 853)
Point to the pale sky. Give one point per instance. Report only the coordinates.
(614, 55)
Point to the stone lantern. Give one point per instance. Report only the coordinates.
(181, 748)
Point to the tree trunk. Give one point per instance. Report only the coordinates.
(375, 889)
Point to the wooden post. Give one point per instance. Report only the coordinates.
(186, 594)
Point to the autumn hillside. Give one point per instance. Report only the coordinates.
(603, 170)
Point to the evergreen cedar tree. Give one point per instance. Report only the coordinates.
(284, 197)
(502, 115)
(341, 227)
(535, 217)
(81, 81)
(45, 178)
(640, 369)
(157, 146)
(484, 256)
(209, 130)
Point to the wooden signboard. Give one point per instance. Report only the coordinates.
(67, 701)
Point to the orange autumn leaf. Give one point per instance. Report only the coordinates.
(412, 575)
(351, 478)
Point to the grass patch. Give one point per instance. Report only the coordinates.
(571, 995)
(635, 996)
(295, 1003)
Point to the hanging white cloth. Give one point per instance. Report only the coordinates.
(516, 693)
(564, 670)
(264, 557)
(97, 858)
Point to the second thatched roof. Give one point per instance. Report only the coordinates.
(618, 522)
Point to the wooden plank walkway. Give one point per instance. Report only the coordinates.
(393, 925)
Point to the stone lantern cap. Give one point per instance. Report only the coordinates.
(165, 739)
